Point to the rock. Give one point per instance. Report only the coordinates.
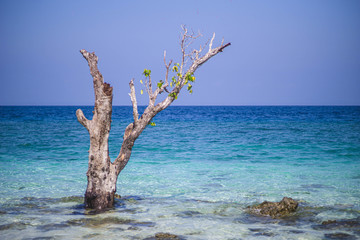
(275, 209)
(328, 222)
(99, 222)
(340, 236)
(339, 224)
(165, 236)
(117, 196)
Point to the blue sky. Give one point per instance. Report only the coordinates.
(283, 52)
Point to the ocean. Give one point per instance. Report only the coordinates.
(192, 175)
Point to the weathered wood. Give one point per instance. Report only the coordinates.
(102, 173)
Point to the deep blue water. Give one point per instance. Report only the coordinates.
(193, 174)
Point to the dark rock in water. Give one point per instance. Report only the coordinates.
(101, 222)
(296, 231)
(77, 199)
(98, 222)
(91, 235)
(15, 225)
(340, 236)
(117, 196)
(51, 227)
(275, 209)
(188, 214)
(40, 238)
(328, 222)
(339, 224)
(77, 213)
(165, 236)
(143, 224)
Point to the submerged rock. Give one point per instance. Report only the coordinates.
(14, 225)
(340, 235)
(275, 209)
(77, 199)
(164, 236)
(351, 224)
(98, 222)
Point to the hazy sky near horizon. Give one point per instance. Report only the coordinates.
(282, 52)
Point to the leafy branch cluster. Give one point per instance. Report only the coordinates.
(182, 74)
(180, 77)
(176, 81)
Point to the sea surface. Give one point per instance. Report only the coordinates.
(192, 175)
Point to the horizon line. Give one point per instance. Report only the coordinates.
(226, 105)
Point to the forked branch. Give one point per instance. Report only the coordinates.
(177, 83)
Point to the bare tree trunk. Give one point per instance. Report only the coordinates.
(102, 173)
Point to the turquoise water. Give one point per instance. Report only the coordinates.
(192, 175)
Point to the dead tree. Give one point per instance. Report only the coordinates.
(102, 173)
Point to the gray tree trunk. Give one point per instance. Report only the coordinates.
(102, 173)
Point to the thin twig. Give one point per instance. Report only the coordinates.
(211, 42)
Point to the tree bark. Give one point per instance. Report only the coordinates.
(102, 174)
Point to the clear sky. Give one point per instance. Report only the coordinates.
(286, 52)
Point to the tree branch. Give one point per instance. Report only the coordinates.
(134, 130)
(150, 91)
(133, 101)
(212, 52)
(167, 66)
(82, 119)
(211, 42)
(99, 87)
(166, 83)
(197, 62)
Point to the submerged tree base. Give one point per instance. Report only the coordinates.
(99, 201)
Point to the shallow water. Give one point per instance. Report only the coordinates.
(192, 175)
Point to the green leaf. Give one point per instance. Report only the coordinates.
(190, 77)
(189, 87)
(141, 91)
(160, 84)
(147, 72)
(174, 95)
(175, 69)
(152, 124)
